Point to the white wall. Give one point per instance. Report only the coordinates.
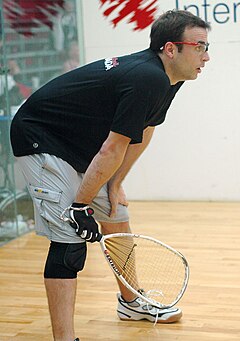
(195, 154)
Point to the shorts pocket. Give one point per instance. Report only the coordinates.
(47, 203)
(44, 193)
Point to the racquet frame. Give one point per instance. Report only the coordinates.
(127, 285)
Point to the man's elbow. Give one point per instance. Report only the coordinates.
(117, 146)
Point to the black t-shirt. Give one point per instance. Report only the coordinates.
(72, 115)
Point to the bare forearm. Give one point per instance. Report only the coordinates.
(96, 176)
(102, 167)
(132, 154)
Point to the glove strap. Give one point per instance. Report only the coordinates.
(82, 207)
(76, 207)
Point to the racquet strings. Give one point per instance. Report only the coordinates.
(149, 266)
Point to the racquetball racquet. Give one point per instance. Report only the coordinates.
(149, 268)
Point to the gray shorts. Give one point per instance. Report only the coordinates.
(52, 184)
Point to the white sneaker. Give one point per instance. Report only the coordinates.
(140, 310)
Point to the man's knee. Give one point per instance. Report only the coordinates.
(65, 260)
(108, 228)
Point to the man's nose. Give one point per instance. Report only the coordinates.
(206, 57)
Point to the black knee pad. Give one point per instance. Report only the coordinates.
(65, 260)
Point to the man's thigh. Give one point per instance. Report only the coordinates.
(53, 185)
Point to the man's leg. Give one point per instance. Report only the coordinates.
(52, 184)
(130, 307)
(61, 295)
(60, 276)
(107, 228)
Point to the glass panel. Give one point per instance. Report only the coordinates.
(37, 43)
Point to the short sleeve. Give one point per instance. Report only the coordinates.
(138, 92)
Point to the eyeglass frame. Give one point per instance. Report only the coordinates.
(192, 44)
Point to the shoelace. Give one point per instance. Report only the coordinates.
(150, 309)
(156, 316)
(149, 306)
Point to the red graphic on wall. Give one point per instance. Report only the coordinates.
(24, 15)
(142, 11)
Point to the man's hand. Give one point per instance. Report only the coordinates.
(116, 196)
(82, 221)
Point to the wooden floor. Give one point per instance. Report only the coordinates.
(208, 234)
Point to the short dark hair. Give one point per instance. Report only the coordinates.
(171, 25)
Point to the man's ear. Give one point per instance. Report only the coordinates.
(169, 49)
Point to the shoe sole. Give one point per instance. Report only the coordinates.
(170, 319)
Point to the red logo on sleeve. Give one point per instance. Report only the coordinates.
(110, 63)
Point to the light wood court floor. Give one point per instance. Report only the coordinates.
(207, 233)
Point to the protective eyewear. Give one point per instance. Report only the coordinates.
(201, 46)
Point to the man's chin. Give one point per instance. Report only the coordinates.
(192, 77)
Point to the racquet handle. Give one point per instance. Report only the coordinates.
(99, 238)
